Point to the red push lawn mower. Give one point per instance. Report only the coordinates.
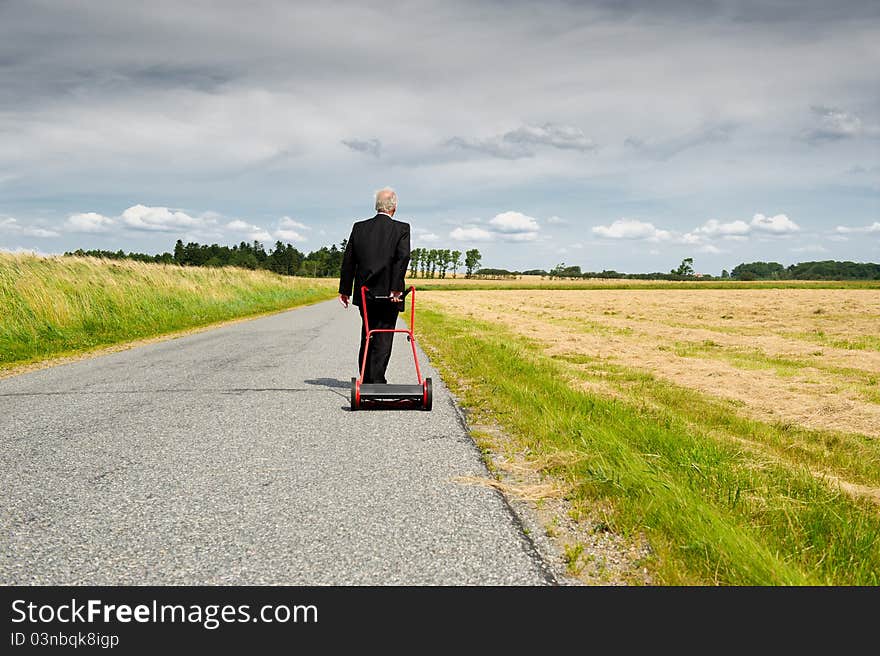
(365, 395)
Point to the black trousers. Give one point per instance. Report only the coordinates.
(381, 314)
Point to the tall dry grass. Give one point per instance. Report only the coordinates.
(56, 305)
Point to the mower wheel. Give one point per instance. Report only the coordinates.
(355, 394)
(428, 402)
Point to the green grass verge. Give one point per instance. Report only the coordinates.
(714, 509)
(60, 306)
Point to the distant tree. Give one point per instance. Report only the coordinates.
(563, 271)
(432, 262)
(414, 258)
(758, 271)
(495, 273)
(471, 262)
(247, 260)
(725, 274)
(834, 270)
(456, 263)
(686, 268)
(444, 259)
(426, 262)
(334, 261)
(178, 252)
(427, 256)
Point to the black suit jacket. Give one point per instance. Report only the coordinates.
(376, 255)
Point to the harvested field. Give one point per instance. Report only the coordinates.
(810, 357)
(722, 436)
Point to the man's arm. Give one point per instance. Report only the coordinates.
(346, 274)
(400, 263)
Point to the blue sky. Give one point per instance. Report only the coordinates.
(624, 135)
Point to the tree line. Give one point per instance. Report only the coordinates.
(326, 262)
(284, 259)
(823, 270)
(287, 260)
(436, 262)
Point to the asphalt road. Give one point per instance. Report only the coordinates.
(231, 457)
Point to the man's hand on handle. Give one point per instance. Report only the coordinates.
(395, 296)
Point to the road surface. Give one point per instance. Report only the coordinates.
(230, 457)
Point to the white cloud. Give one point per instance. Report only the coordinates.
(701, 237)
(513, 222)
(714, 228)
(507, 226)
(241, 226)
(159, 219)
(777, 225)
(288, 230)
(162, 219)
(874, 227)
(739, 230)
(470, 234)
(89, 222)
(423, 236)
(13, 226)
(556, 220)
(287, 222)
(39, 232)
(250, 230)
(632, 229)
(426, 237)
(288, 235)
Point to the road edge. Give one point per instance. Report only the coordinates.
(530, 528)
(78, 356)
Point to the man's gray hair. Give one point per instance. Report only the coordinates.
(386, 200)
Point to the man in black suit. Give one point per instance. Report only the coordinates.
(377, 255)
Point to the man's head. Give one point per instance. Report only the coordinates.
(386, 201)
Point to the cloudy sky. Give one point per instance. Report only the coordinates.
(620, 134)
